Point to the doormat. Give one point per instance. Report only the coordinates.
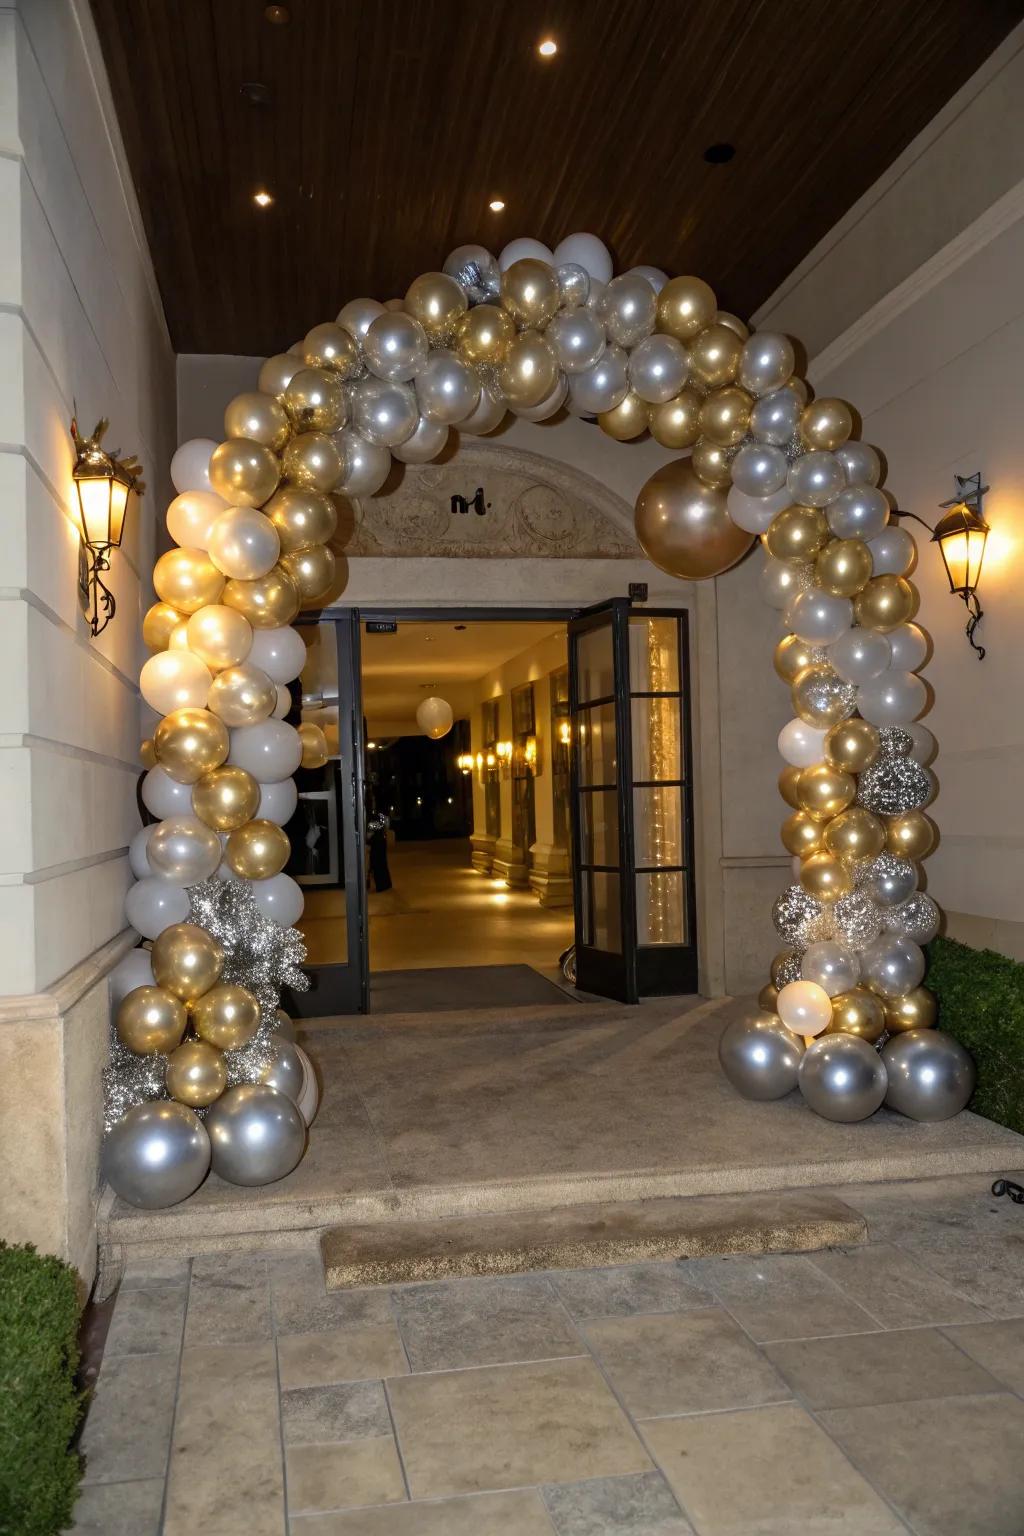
(469, 986)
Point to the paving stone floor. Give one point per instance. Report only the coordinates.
(856, 1392)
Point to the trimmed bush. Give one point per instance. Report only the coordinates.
(40, 1405)
(981, 1003)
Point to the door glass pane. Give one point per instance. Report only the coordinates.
(653, 654)
(658, 827)
(661, 907)
(317, 859)
(597, 758)
(599, 826)
(595, 665)
(602, 917)
(657, 739)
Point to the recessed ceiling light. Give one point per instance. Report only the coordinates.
(496, 204)
(547, 48)
(719, 154)
(262, 199)
(277, 15)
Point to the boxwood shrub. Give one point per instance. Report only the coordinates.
(981, 1003)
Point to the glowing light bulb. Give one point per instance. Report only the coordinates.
(496, 204)
(262, 199)
(547, 48)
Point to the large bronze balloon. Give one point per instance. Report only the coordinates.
(711, 463)
(843, 567)
(186, 960)
(226, 1016)
(330, 346)
(683, 525)
(801, 834)
(302, 518)
(242, 695)
(530, 370)
(854, 834)
(789, 785)
(258, 850)
(796, 534)
(917, 1009)
(725, 415)
(852, 745)
(315, 401)
(530, 292)
(226, 798)
(436, 301)
(826, 424)
(857, 1012)
(196, 1074)
(269, 602)
(260, 417)
(676, 424)
(824, 791)
(885, 603)
(312, 571)
(484, 334)
(714, 356)
(793, 656)
(158, 625)
(312, 462)
(186, 580)
(314, 745)
(825, 877)
(685, 306)
(626, 420)
(243, 472)
(911, 835)
(151, 1019)
(189, 743)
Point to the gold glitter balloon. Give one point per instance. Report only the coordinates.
(226, 1016)
(857, 1012)
(196, 1074)
(186, 960)
(820, 697)
(189, 743)
(226, 798)
(914, 1010)
(151, 1019)
(852, 745)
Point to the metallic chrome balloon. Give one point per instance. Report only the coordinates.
(447, 389)
(858, 512)
(683, 525)
(578, 338)
(826, 423)
(931, 1076)
(685, 306)
(383, 412)
(892, 698)
(242, 695)
(425, 444)
(183, 850)
(358, 315)
(797, 534)
(818, 617)
(285, 1071)
(364, 465)
(256, 1134)
(816, 479)
(776, 417)
(892, 966)
(629, 306)
(860, 462)
(859, 655)
(196, 1074)
(395, 347)
(156, 1155)
(887, 879)
(834, 967)
(277, 373)
(312, 462)
(573, 284)
(243, 472)
(259, 417)
(917, 918)
(893, 551)
(676, 424)
(436, 301)
(759, 469)
(766, 362)
(842, 1078)
(602, 387)
(760, 1056)
(316, 401)
(476, 272)
(529, 373)
(725, 414)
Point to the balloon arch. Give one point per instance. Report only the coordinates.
(204, 1069)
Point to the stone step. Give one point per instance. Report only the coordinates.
(587, 1237)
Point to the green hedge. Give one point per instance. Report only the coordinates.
(981, 1003)
(40, 1405)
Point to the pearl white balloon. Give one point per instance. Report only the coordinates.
(269, 751)
(548, 406)
(279, 652)
(858, 512)
(629, 308)
(278, 801)
(578, 338)
(573, 284)
(779, 582)
(759, 469)
(834, 967)
(358, 315)
(819, 618)
(138, 861)
(425, 444)
(595, 296)
(243, 543)
(284, 702)
(653, 275)
(801, 744)
(815, 479)
(860, 462)
(754, 513)
(309, 1098)
(364, 465)
(447, 389)
(892, 551)
(220, 636)
(384, 413)
(924, 749)
(519, 250)
(893, 698)
(892, 965)
(135, 970)
(658, 368)
(190, 517)
(909, 646)
(153, 905)
(279, 898)
(775, 418)
(804, 1007)
(184, 850)
(487, 414)
(766, 362)
(278, 371)
(588, 252)
(859, 655)
(434, 717)
(602, 387)
(163, 796)
(175, 680)
(190, 466)
(395, 347)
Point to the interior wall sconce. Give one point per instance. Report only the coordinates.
(961, 536)
(564, 733)
(464, 762)
(531, 755)
(104, 483)
(503, 754)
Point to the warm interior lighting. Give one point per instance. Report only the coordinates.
(103, 484)
(371, 746)
(530, 753)
(262, 199)
(565, 733)
(547, 48)
(496, 204)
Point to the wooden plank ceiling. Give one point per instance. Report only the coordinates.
(390, 124)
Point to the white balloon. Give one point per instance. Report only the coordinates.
(269, 751)
(754, 513)
(487, 414)
(578, 339)
(587, 251)
(815, 479)
(184, 850)
(860, 462)
(909, 646)
(602, 387)
(279, 652)
(244, 544)
(548, 406)
(434, 717)
(779, 582)
(804, 1007)
(654, 275)
(138, 861)
(309, 1098)
(358, 315)
(163, 796)
(802, 744)
(426, 443)
(775, 418)
(892, 551)
(153, 905)
(364, 465)
(892, 699)
(447, 388)
(858, 512)
(135, 970)
(279, 898)
(924, 748)
(518, 250)
(658, 368)
(190, 466)
(860, 655)
(834, 967)
(284, 702)
(819, 618)
(395, 346)
(384, 413)
(278, 801)
(175, 680)
(760, 470)
(190, 517)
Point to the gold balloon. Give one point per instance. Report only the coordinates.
(312, 571)
(157, 627)
(854, 834)
(825, 877)
(314, 745)
(436, 301)
(626, 420)
(714, 356)
(315, 400)
(676, 424)
(826, 424)
(312, 462)
(258, 850)
(530, 370)
(852, 745)
(796, 534)
(884, 603)
(243, 472)
(824, 791)
(801, 834)
(186, 960)
(684, 527)
(484, 334)
(778, 962)
(725, 415)
(186, 580)
(147, 753)
(269, 602)
(226, 798)
(711, 462)
(331, 346)
(226, 1016)
(151, 1019)
(793, 656)
(843, 567)
(259, 417)
(857, 1012)
(196, 1074)
(768, 997)
(189, 743)
(789, 784)
(242, 695)
(914, 1010)
(302, 518)
(530, 293)
(911, 835)
(808, 707)
(685, 306)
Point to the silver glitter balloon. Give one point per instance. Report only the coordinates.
(917, 918)
(892, 785)
(573, 284)
(842, 1078)
(931, 1076)
(856, 920)
(788, 969)
(129, 1080)
(895, 741)
(798, 916)
(886, 879)
(827, 695)
(760, 1056)
(256, 1133)
(156, 1155)
(476, 272)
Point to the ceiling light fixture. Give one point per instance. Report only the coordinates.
(262, 199)
(496, 204)
(547, 48)
(277, 15)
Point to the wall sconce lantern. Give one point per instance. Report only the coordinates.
(961, 536)
(503, 751)
(103, 483)
(464, 762)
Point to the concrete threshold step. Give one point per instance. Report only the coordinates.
(587, 1237)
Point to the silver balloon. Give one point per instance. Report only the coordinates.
(818, 617)
(780, 582)
(832, 966)
(908, 644)
(931, 1076)
(183, 850)
(860, 462)
(364, 465)
(284, 1026)
(658, 367)
(815, 479)
(256, 1134)
(156, 1155)
(886, 879)
(766, 362)
(578, 339)
(358, 315)
(924, 744)
(760, 1056)
(602, 387)
(573, 284)
(629, 308)
(917, 918)
(759, 469)
(892, 698)
(858, 512)
(476, 272)
(395, 347)
(842, 1078)
(285, 1072)
(892, 551)
(892, 966)
(776, 417)
(859, 655)
(754, 514)
(487, 414)
(448, 390)
(425, 444)
(384, 413)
